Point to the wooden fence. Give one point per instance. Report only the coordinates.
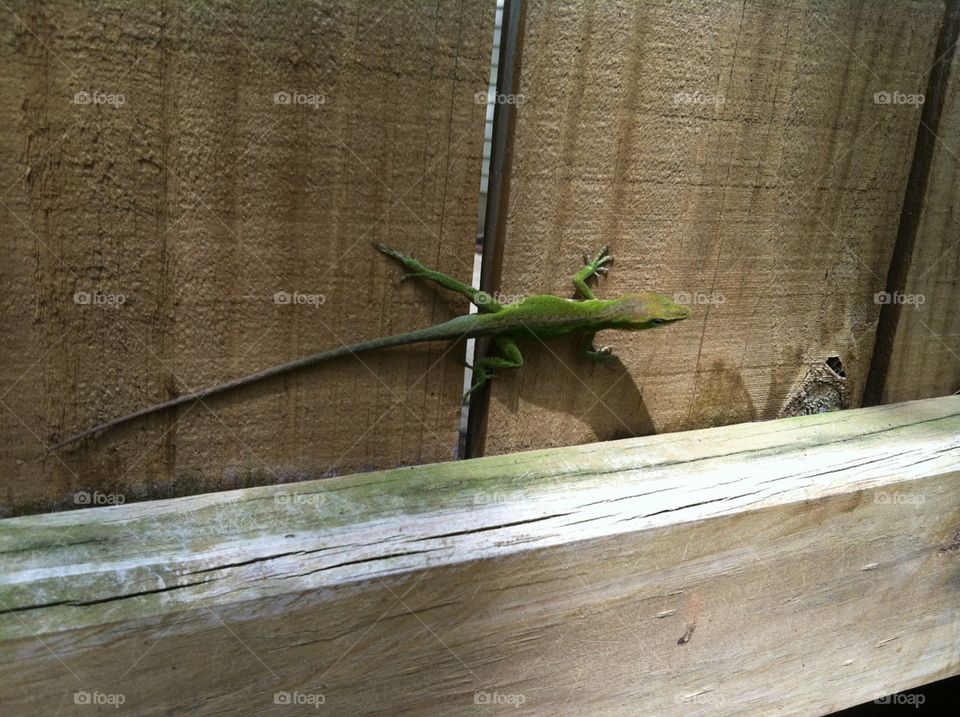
(189, 190)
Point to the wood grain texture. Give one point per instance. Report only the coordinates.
(925, 358)
(730, 153)
(202, 195)
(795, 566)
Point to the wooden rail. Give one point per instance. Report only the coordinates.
(797, 566)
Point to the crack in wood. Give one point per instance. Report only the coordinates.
(487, 528)
(101, 601)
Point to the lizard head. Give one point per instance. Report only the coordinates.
(645, 311)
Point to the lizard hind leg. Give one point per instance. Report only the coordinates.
(483, 301)
(511, 358)
(591, 267)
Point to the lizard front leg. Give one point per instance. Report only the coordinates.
(483, 301)
(604, 354)
(598, 265)
(511, 358)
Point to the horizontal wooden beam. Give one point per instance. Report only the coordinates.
(796, 566)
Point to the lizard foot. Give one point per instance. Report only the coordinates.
(604, 354)
(598, 265)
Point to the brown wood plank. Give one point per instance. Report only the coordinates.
(789, 567)
(925, 355)
(727, 151)
(200, 198)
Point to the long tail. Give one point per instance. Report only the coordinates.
(458, 328)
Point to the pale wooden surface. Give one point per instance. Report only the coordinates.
(925, 360)
(199, 199)
(783, 200)
(791, 567)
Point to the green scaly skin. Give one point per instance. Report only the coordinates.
(543, 316)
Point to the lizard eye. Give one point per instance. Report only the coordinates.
(657, 322)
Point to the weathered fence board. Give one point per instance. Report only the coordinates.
(202, 162)
(925, 357)
(736, 154)
(792, 567)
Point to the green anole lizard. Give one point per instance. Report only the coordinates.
(544, 316)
